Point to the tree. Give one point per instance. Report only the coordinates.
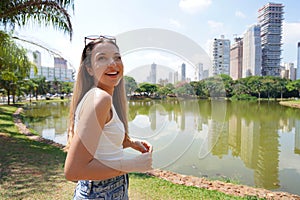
(14, 64)
(215, 87)
(280, 85)
(227, 81)
(148, 88)
(199, 88)
(42, 12)
(268, 85)
(294, 85)
(255, 85)
(130, 84)
(184, 89)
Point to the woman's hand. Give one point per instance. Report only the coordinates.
(141, 145)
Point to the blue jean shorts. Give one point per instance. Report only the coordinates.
(110, 189)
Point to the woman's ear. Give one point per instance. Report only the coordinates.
(90, 71)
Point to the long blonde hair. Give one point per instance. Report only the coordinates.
(85, 82)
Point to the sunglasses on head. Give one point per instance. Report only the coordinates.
(90, 38)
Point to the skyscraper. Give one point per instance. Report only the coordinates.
(153, 73)
(183, 72)
(252, 53)
(270, 18)
(37, 58)
(236, 59)
(298, 63)
(221, 56)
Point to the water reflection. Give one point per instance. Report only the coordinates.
(258, 144)
(49, 119)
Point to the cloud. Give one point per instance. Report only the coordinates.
(240, 14)
(194, 6)
(175, 23)
(216, 27)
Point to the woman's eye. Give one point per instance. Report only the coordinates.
(118, 58)
(101, 58)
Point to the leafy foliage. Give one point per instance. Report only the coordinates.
(41, 12)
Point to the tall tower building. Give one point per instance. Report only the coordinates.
(298, 63)
(153, 73)
(252, 53)
(199, 72)
(236, 59)
(37, 58)
(183, 72)
(220, 56)
(270, 18)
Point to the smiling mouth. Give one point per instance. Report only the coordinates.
(112, 73)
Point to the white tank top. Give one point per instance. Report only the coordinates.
(110, 146)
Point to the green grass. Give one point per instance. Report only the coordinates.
(147, 187)
(34, 170)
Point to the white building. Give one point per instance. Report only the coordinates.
(183, 72)
(298, 63)
(60, 70)
(270, 18)
(153, 73)
(199, 72)
(288, 71)
(37, 58)
(252, 53)
(220, 54)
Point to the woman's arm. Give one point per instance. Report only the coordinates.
(80, 163)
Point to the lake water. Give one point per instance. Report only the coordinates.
(257, 144)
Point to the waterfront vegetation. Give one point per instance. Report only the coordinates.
(34, 170)
(220, 86)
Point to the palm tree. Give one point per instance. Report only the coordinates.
(14, 64)
(43, 12)
(18, 13)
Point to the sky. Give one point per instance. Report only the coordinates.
(200, 21)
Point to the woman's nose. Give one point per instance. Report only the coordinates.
(112, 62)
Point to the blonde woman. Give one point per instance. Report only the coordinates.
(98, 128)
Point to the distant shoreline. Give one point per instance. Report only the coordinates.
(293, 104)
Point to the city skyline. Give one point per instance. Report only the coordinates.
(199, 20)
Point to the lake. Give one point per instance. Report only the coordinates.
(257, 144)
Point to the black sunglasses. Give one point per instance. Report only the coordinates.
(98, 37)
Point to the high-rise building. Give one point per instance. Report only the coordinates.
(59, 72)
(236, 59)
(37, 58)
(153, 73)
(183, 72)
(288, 71)
(252, 53)
(220, 54)
(176, 77)
(60, 63)
(270, 18)
(199, 72)
(298, 63)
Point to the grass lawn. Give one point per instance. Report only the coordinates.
(34, 170)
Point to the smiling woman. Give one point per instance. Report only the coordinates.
(98, 128)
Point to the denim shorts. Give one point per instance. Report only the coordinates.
(110, 189)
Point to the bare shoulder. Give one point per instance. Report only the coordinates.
(98, 98)
(102, 98)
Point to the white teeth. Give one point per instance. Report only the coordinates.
(112, 73)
